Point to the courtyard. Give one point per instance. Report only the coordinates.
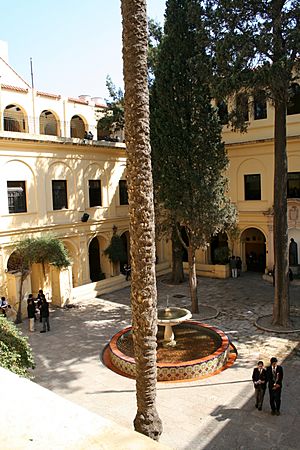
(211, 413)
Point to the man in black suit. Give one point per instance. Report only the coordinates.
(274, 378)
(259, 378)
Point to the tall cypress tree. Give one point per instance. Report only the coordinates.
(256, 45)
(189, 158)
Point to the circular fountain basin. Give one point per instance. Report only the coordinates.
(172, 316)
(201, 350)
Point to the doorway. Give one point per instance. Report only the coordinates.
(254, 243)
(94, 260)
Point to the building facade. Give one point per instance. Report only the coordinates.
(57, 177)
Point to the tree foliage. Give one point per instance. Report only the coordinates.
(255, 46)
(15, 351)
(44, 250)
(189, 158)
(113, 118)
(116, 250)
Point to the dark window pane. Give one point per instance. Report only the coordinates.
(260, 106)
(95, 193)
(252, 187)
(123, 194)
(294, 102)
(242, 107)
(293, 185)
(16, 194)
(59, 194)
(222, 112)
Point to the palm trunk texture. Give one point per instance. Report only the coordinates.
(141, 212)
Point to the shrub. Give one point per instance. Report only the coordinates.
(15, 351)
(221, 255)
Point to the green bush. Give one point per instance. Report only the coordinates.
(221, 255)
(116, 250)
(15, 351)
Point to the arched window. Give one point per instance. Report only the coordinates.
(294, 102)
(14, 119)
(77, 127)
(48, 123)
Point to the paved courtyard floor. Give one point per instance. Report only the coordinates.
(213, 413)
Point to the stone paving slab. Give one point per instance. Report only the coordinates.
(212, 413)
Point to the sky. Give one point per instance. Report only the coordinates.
(74, 44)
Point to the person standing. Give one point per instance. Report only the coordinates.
(274, 379)
(31, 312)
(238, 266)
(259, 378)
(232, 265)
(40, 298)
(3, 306)
(44, 311)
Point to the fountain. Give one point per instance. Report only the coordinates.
(199, 350)
(169, 317)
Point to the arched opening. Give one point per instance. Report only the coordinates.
(77, 127)
(94, 260)
(103, 132)
(254, 243)
(14, 119)
(219, 251)
(126, 242)
(14, 263)
(48, 123)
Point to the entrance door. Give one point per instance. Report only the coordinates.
(94, 260)
(255, 249)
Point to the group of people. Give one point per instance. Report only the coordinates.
(33, 306)
(235, 264)
(4, 306)
(271, 376)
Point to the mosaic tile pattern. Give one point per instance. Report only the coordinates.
(189, 370)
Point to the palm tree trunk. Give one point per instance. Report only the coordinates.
(141, 212)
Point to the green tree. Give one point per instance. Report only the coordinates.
(141, 213)
(44, 250)
(15, 351)
(189, 158)
(255, 46)
(113, 118)
(116, 250)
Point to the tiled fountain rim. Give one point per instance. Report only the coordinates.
(221, 349)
